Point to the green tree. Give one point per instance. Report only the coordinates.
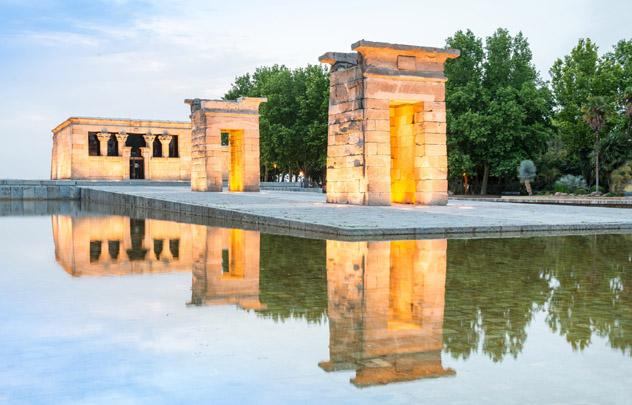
(293, 123)
(464, 99)
(616, 143)
(498, 108)
(576, 79)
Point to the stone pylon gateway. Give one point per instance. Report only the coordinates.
(218, 122)
(387, 125)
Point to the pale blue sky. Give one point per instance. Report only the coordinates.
(140, 59)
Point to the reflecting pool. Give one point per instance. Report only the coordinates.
(103, 308)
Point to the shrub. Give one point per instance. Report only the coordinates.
(526, 171)
(620, 178)
(571, 184)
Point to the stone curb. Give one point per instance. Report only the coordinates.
(621, 202)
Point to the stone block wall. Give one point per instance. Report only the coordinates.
(346, 182)
(387, 140)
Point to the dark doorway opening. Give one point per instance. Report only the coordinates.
(136, 162)
(136, 168)
(137, 234)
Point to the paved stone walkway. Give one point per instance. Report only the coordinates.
(309, 212)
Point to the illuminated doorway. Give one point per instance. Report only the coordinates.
(403, 129)
(236, 160)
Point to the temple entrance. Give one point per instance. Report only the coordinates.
(237, 162)
(136, 168)
(136, 161)
(402, 128)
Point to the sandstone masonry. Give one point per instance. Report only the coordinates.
(238, 121)
(387, 126)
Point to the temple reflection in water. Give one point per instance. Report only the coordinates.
(385, 309)
(384, 299)
(393, 308)
(117, 245)
(225, 267)
(224, 262)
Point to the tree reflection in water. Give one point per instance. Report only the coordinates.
(494, 287)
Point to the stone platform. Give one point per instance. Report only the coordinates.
(307, 214)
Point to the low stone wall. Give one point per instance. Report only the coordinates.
(287, 186)
(620, 202)
(69, 189)
(38, 190)
(40, 208)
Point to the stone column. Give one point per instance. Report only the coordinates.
(164, 141)
(103, 137)
(146, 152)
(149, 141)
(121, 138)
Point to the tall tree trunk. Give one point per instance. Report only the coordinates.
(265, 173)
(485, 179)
(466, 184)
(597, 162)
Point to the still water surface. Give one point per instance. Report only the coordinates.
(108, 309)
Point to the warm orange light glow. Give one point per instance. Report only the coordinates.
(237, 254)
(236, 170)
(402, 153)
(402, 284)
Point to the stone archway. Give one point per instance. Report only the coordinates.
(240, 120)
(386, 141)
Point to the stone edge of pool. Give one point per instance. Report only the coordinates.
(91, 195)
(257, 221)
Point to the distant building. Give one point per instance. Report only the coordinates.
(121, 149)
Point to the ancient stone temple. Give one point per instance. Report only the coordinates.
(233, 123)
(387, 126)
(119, 149)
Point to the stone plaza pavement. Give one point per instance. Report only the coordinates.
(308, 213)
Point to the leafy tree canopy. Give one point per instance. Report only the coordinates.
(293, 123)
(498, 109)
